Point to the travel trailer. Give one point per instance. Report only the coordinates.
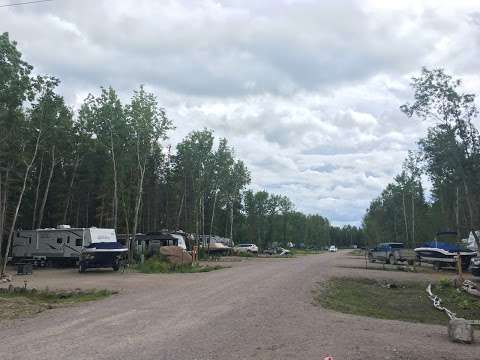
(150, 243)
(89, 247)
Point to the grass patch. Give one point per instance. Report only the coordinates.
(387, 267)
(24, 303)
(301, 252)
(245, 254)
(156, 266)
(405, 301)
(357, 252)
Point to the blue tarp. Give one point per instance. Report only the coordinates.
(444, 246)
(106, 245)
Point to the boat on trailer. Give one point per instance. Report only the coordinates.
(443, 254)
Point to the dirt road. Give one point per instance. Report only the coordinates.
(260, 309)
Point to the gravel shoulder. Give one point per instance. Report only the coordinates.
(259, 309)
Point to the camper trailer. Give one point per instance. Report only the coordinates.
(89, 247)
(150, 243)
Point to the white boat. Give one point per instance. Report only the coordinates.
(442, 254)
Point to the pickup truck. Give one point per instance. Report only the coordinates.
(392, 253)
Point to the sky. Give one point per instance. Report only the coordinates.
(307, 92)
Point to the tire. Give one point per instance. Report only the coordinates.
(116, 267)
(391, 260)
(476, 271)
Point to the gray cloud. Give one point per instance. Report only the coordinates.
(308, 92)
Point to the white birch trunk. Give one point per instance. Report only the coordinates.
(47, 189)
(17, 208)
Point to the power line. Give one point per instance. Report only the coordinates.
(24, 3)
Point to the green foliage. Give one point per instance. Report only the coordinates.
(107, 165)
(373, 298)
(449, 155)
(27, 302)
(156, 265)
(58, 297)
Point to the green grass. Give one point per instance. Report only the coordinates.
(357, 252)
(245, 254)
(406, 301)
(155, 266)
(301, 252)
(29, 302)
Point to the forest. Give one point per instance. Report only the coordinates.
(447, 158)
(105, 164)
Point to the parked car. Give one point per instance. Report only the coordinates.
(475, 266)
(277, 251)
(392, 253)
(246, 248)
(332, 248)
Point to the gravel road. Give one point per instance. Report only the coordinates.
(258, 309)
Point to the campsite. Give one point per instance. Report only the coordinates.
(265, 295)
(217, 179)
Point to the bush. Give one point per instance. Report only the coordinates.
(157, 265)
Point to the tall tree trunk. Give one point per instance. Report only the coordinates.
(394, 226)
(469, 204)
(137, 205)
(180, 211)
(37, 193)
(70, 188)
(231, 220)
(127, 226)
(3, 208)
(213, 213)
(405, 216)
(115, 181)
(47, 189)
(203, 215)
(17, 208)
(457, 213)
(413, 220)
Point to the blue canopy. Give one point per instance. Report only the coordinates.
(106, 245)
(443, 246)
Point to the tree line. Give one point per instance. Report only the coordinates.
(107, 165)
(448, 156)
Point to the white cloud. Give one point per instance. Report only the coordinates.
(308, 92)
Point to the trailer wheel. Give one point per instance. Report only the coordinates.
(82, 267)
(391, 260)
(476, 272)
(116, 267)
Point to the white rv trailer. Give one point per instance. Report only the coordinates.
(64, 245)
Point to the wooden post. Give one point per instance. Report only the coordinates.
(459, 269)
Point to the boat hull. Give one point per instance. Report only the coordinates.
(437, 255)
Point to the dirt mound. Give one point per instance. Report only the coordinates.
(175, 255)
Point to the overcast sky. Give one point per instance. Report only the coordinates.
(306, 91)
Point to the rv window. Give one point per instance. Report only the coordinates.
(78, 242)
(68, 239)
(59, 240)
(29, 240)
